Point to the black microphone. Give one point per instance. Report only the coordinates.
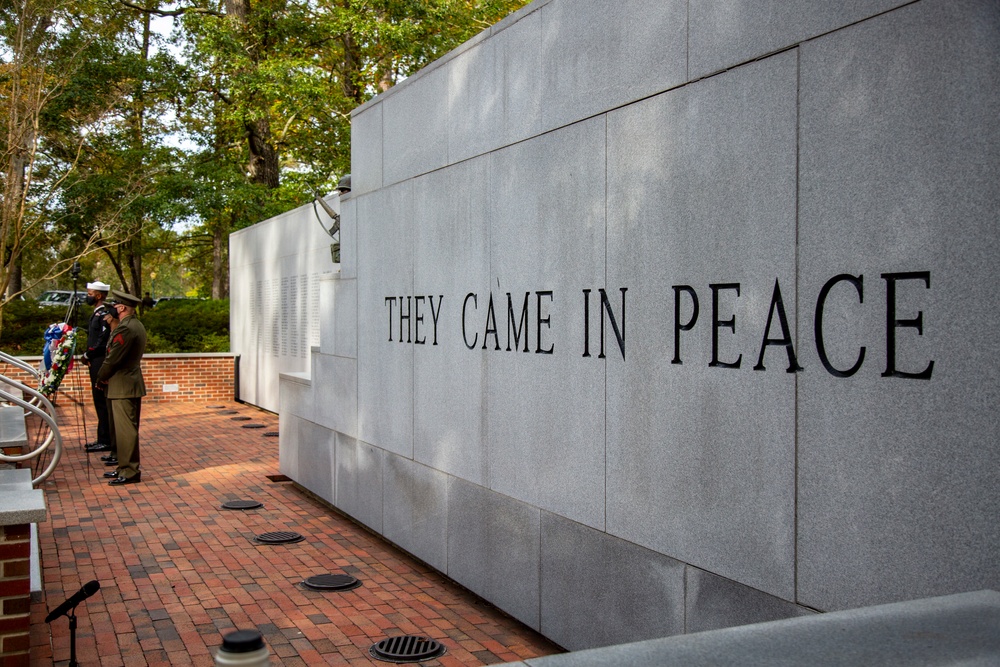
(88, 589)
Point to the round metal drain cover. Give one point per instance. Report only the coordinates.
(241, 505)
(279, 537)
(241, 419)
(407, 648)
(253, 426)
(331, 582)
(229, 412)
(270, 434)
(215, 407)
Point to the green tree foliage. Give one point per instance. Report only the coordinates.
(273, 85)
(114, 136)
(85, 168)
(24, 325)
(182, 325)
(188, 325)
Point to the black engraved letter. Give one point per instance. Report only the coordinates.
(523, 324)
(491, 325)
(678, 327)
(786, 337)
(891, 324)
(818, 324)
(716, 323)
(417, 319)
(619, 335)
(435, 313)
(475, 306)
(406, 317)
(543, 320)
(391, 300)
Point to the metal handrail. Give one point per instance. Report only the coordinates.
(47, 415)
(24, 366)
(20, 363)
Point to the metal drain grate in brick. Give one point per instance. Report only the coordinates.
(242, 505)
(228, 412)
(407, 648)
(241, 419)
(278, 537)
(331, 582)
(270, 434)
(253, 426)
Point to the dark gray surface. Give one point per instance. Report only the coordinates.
(713, 602)
(640, 593)
(415, 509)
(366, 150)
(359, 481)
(870, 149)
(336, 408)
(451, 258)
(701, 460)
(899, 479)
(385, 268)
(596, 57)
(344, 332)
(415, 124)
(315, 459)
(723, 33)
(960, 629)
(493, 548)
(546, 425)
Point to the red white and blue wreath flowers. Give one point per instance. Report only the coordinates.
(60, 343)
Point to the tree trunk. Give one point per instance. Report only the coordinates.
(220, 264)
(135, 265)
(14, 285)
(263, 165)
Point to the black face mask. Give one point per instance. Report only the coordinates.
(90, 300)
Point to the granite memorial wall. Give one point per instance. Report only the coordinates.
(668, 316)
(275, 269)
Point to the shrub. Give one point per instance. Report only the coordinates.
(181, 325)
(24, 325)
(188, 325)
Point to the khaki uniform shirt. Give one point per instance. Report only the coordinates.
(121, 368)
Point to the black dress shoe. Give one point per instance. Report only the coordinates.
(111, 474)
(98, 447)
(118, 481)
(111, 462)
(109, 457)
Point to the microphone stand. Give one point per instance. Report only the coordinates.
(68, 608)
(71, 615)
(72, 637)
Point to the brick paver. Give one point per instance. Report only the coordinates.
(177, 571)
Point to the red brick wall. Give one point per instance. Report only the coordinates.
(15, 595)
(198, 377)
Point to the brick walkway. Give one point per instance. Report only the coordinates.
(177, 571)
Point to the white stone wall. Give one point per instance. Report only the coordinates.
(275, 269)
(823, 178)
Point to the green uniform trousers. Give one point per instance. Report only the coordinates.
(125, 433)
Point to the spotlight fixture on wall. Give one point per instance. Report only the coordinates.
(343, 187)
(333, 215)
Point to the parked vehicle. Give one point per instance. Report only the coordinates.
(59, 297)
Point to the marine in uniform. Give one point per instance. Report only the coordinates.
(125, 387)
